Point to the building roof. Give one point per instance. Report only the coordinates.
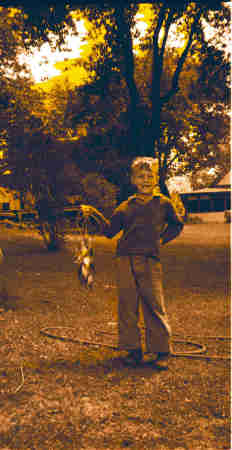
(222, 186)
(209, 190)
(226, 180)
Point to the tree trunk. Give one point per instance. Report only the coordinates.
(50, 235)
(136, 117)
(48, 213)
(163, 187)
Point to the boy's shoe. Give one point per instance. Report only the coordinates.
(161, 365)
(150, 358)
(161, 362)
(134, 358)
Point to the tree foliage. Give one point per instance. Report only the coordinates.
(173, 97)
(180, 79)
(193, 92)
(168, 103)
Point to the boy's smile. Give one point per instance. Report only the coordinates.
(145, 181)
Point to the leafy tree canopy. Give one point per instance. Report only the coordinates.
(49, 16)
(176, 79)
(191, 90)
(19, 102)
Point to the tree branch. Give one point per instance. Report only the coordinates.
(172, 160)
(161, 18)
(125, 39)
(156, 78)
(6, 167)
(176, 76)
(167, 27)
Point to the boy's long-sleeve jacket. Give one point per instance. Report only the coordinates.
(144, 225)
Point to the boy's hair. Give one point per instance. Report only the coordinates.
(144, 162)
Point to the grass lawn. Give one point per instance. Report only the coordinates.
(81, 397)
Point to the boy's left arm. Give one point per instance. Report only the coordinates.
(174, 224)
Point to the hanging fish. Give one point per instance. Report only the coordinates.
(2, 256)
(84, 258)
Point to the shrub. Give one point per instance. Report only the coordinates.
(176, 202)
(99, 193)
(178, 205)
(227, 216)
(193, 219)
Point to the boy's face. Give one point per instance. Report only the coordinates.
(144, 180)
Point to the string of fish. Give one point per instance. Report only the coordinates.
(84, 257)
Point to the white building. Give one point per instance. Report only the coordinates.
(9, 199)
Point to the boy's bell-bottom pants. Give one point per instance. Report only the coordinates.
(139, 281)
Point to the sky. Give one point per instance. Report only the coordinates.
(42, 61)
(45, 62)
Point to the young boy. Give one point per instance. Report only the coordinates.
(148, 221)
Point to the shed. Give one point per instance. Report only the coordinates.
(213, 199)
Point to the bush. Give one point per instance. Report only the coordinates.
(99, 193)
(176, 203)
(227, 216)
(193, 219)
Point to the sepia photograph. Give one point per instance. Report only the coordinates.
(115, 222)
